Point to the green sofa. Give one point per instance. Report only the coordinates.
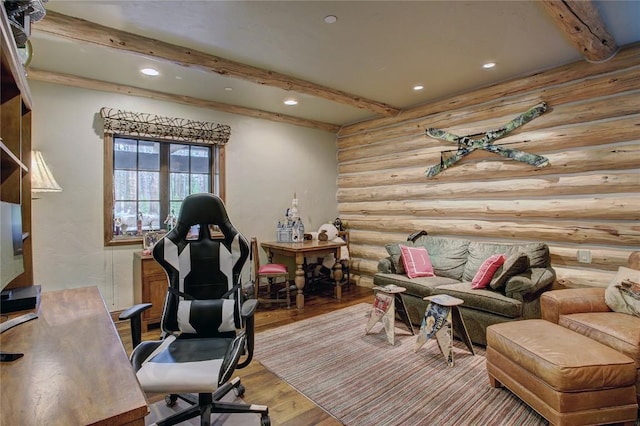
(455, 262)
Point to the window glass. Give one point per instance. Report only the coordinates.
(125, 184)
(179, 185)
(149, 185)
(200, 160)
(149, 156)
(179, 158)
(125, 154)
(150, 180)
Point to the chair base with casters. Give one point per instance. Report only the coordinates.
(205, 403)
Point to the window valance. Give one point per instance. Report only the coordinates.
(177, 129)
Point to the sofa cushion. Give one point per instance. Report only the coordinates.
(529, 283)
(513, 265)
(538, 254)
(416, 261)
(448, 255)
(396, 255)
(482, 299)
(418, 287)
(623, 293)
(487, 271)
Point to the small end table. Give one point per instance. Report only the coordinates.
(388, 301)
(441, 317)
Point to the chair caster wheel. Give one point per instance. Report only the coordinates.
(170, 400)
(265, 420)
(239, 390)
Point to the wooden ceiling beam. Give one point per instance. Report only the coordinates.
(580, 21)
(86, 83)
(81, 30)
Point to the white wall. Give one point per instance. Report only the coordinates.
(266, 163)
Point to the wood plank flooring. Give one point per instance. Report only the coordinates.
(286, 405)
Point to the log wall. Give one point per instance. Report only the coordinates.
(587, 198)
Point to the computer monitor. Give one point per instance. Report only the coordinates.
(11, 252)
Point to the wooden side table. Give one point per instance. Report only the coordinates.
(441, 317)
(388, 301)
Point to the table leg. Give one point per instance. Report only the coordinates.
(401, 309)
(337, 276)
(299, 280)
(461, 329)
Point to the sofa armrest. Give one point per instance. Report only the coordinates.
(386, 266)
(528, 283)
(572, 301)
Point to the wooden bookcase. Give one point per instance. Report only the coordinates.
(15, 146)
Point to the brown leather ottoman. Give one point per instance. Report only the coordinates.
(566, 377)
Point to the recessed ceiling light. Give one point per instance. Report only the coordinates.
(291, 102)
(228, 89)
(330, 19)
(418, 87)
(150, 71)
(489, 65)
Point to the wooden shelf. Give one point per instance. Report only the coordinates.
(15, 141)
(11, 63)
(9, 159)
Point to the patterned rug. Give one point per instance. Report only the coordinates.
(363, 380)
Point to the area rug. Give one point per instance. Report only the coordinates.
(362, 380)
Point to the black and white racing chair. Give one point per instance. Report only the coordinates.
(207, 325)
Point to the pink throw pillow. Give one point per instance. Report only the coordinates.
(416, 262)
(487, 270)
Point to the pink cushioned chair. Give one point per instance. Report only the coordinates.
(267, 274)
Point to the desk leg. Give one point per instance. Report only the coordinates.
(337, 276)
(299, 280)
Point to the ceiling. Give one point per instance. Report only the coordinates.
(376, 51)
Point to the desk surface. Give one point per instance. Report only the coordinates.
(75, 370)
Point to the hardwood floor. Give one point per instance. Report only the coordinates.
(286, 405)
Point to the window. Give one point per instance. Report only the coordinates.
(150, 178)
(151, 163)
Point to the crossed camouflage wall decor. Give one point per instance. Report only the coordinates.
(467, 145)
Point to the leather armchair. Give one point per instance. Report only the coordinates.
(584, 311)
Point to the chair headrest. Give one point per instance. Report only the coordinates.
(202, 209)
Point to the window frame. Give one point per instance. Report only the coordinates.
(109, 138)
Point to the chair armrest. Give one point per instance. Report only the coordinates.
(248, 308)
(134, 314)
(385, 266)
(555, 303)
(135, 310)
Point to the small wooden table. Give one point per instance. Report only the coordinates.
(74, 371)
(388, 301)
(300, 250)
(441, 317)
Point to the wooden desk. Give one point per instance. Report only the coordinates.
(301, 250)
(75, 370)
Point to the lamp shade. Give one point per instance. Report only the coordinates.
(41, 178)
